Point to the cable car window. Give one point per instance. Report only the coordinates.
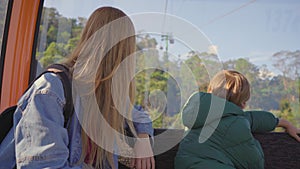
(3, 13)
(257, 38)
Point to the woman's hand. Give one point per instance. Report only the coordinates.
(290, 129)
(143, 153)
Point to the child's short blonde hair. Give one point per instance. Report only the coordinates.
(230, 85)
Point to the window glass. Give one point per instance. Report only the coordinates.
(257, 38)
(3, 10)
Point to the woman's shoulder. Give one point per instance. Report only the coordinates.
(47, 84)
(51, 82)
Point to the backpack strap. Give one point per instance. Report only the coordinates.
(6, 121)
(64, 75)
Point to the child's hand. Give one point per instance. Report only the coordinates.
(293, 131)
(290, 129)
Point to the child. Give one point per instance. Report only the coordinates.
(230, 144)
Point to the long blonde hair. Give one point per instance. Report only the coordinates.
(108, 44)
(230, 85)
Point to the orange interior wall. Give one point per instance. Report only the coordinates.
(18, 51)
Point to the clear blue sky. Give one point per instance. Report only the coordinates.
(239, 28)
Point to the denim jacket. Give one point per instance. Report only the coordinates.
(38, 138)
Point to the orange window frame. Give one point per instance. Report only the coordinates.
(19, 50)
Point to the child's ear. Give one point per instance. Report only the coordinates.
(243, 105)
(209, 90)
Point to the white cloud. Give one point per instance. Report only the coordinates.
(212, 49)
(260, 58)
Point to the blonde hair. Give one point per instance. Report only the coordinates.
(230, 85)
(100, 44)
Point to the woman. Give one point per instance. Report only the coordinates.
(100, 65)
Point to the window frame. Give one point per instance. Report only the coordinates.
(19, 50)
(4, 40)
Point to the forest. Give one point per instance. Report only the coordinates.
(3, 6)
(279, 94)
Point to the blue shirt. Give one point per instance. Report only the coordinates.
(38, 138)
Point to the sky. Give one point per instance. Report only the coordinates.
(236, 28)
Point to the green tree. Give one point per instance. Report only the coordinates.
(199, 71)
(146, 42)
(58, 36)
(156, 90)
(53, 54)
(286, 110)
(245, 67)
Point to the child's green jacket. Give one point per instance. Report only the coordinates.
(228, 141)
